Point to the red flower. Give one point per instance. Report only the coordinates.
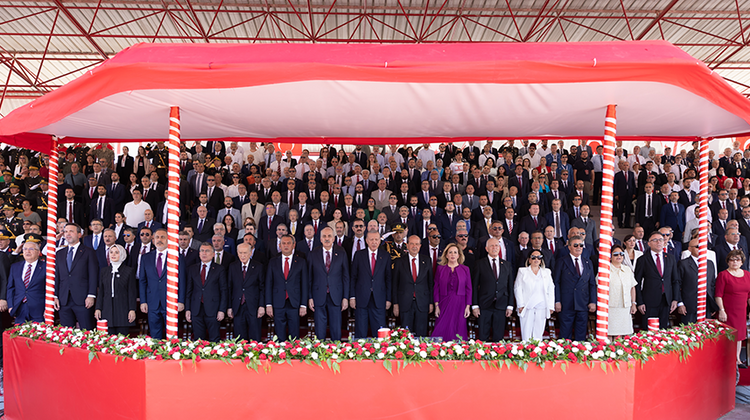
(434, 353)
(399, 355)
(477, 356)
(572, 357)
(305, 351)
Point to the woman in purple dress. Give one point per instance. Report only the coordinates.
(452, 295)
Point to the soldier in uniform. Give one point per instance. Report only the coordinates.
(31, 183)
(395, 243)
(160, 159)
(41, 202)
(11, 223)
(15, 198)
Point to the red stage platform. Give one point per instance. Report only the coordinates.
(40, 383)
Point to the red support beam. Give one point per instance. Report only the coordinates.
(73, 21)
(656, 20)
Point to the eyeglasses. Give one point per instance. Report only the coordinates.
(435, 237)
(618, 254)
(734, 259)
(145, 234)
(462, 236)
(577, 245)
(536, 257)
(127, 235)
(656, 240)
(497, 228)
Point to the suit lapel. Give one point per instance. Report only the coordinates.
(77, 257)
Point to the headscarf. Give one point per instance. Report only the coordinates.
(123, 255)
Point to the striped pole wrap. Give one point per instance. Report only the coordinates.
(173, 221)
(605, 227)
(703, 228)
(49, 250)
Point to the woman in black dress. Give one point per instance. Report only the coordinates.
(118, 291)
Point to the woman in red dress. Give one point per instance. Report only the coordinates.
(733, 295)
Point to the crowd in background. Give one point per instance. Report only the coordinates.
(431, 235)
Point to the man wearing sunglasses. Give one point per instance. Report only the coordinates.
(575, 291)
(492, 290)
(658, 282)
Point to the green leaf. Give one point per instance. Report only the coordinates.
(618, 366)
(440, 366)
(28, 343)
(603, 366)
(92, 355)
(524, 366)
(387, 366)
(61, 350)
(481, 363)
(564, 367)
(507, 363)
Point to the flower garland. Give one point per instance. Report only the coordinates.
(401, 346)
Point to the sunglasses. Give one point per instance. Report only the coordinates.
(145, 234)
(536, 257)
(462, 236)
(735, 259)
(577, 245)
(618, 254)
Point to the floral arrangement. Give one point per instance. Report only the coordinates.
(400, 346)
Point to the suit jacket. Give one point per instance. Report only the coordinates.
(716, 205)
(118, 193)
(152, 288)
(156, 195)
(649, 289)
(562, 197)
(296, 285)
(82, 278)
(124, 170)
(527, 224)
(252, 285)
(624, 191)
(303, 249)
(379, 204)
(674, 220)
(365, 284)
(574, 291)
(214, 295)
(17, 291)
(207, 230)
(564, 222)
(722, 250)
(688, 283)
(247, 211)
(524, 188)
(62, 211)
(406, 289)
(640, 208)
(489, 291)
(335, 281)
(125, 295)
(592, 233)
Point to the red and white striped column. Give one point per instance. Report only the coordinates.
(173, 220)
(605, 227)
(703, 228)
(49, 250)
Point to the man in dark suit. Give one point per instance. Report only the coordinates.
(287, 289)
(533, 222)
(76, 280)
(492, 290)
(188, 255)
(203, 226)
(558, 219)
(721, 203)
(551, 243)
(624, 194)
(25, 298)
(673, 215)
(575, 291)
(520, 181)
(117, 192)
(687, 305)
(246, 287)
(329, 285)
(647, 208)
(206, 295)
(579, 191)
(214, 194)
(268, 223)
(153, 193)
(371, 286)
(728, 243)
(413, 288)
(152, 285)
(657, 275)
(70, 208)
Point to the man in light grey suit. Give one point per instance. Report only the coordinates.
(253, 209)
(470, 200)
(587, 223)
(381, 195)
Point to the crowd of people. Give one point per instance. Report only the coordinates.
(413, 233)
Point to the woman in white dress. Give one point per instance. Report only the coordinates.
(621, 295)
(535, 296)
(631, 254)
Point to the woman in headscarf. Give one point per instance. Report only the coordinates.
(118, 291)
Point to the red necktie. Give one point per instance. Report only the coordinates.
(414, 274)
(359, 245)
(269, 223)
(27, 278)
(203, 274)
(106, 252)
(70, 212)
(578, 267)
(500, 254)
(434, 260)
(494, 268)
(328, 261)
(316, 226)
(552, 246)
(661, 272)
(286, 274)
(372, 263)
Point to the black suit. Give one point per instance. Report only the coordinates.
(654, 290)
(108, 211)
(78, 217)
(74, 285)
(206, 231)
(328, 288)
(688, 293)
(246, 297)
(648, 223)
(371, 291)
(205, 300)
(527, 224)
(722, 249)
(492, 294)
(124, 170)
(624, 193)
(287, 294)
(414, 297)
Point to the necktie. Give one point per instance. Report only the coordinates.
(520, 183)
(372, 263)
(640, 246)
(424, 233)
(382, 230)
(203, 274)
(648, 205)
(658, 267)
(578, 267)
(91, 192)
(359, 245)
(510, 226)
(106, 254)
(286, 270)
(675, 208)
(552, 246)
(127, 249)
(434, 259)
(27, 278)
(536, 224)
(70, 258)
(70, 212)
(577, 214)
(494, 268)
(500, 253)
(200, 225)
(339, 241)
(218, 258)
(159, 264)
(309, 244)
(315, 225)
(328, 261)
(312, 195)
(414, 269)
(291, 199)
(471, 201)
(557, 225)
(270, 219)
(244, 271)
(100, 210)
(555, 193)
(96, 241)
(143, 249)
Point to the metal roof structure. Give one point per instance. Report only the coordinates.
(47, 43)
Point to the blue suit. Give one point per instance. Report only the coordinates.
(33, 308)
(675, 221)
(250, 290)
(286, 295)
(564, 222)
(205, 301)
(371, 291)
(153, 291)
(74, 285)
(328, 289)
(574, 292)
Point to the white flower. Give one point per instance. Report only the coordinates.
(176, 356)
(423, 354)
(314, 356)
(367, 353)
(381, 355)
(442, 353)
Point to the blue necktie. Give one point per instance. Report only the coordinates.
(96, 241)
(70, 259)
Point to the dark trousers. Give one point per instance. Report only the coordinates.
(70, 313)
(649, 225)
(690, 317)
(415, 320)
(328, 315)
(157, 322)
(368, 315)
(247, 324)
(23, 315)
(623, 210)
(118, 330)
(287, 316)
(597, 196)
(574, 324)
(660, 311)
(492, 319)
(205, 327)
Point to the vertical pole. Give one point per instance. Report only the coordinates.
(173, 220)
(703, 229)
(49, 250)
(605, 235)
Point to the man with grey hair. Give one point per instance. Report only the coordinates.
(329, 285)
(575, 291)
